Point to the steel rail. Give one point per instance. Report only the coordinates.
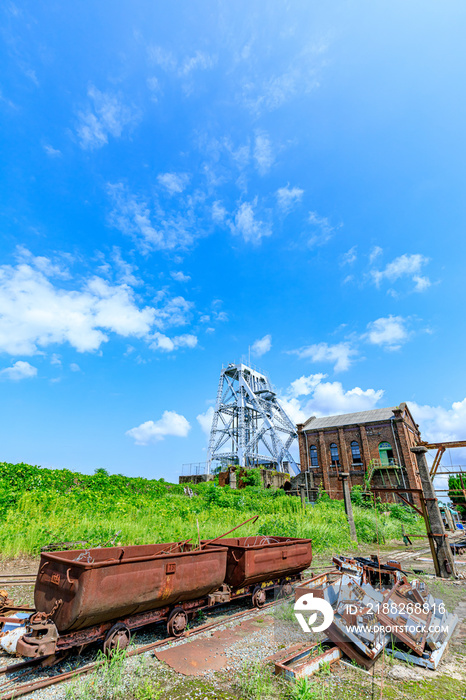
(32, 686)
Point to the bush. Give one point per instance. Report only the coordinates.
(42, 506)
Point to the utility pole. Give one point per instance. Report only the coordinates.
(348, 505)
(303, 496)
(438, 540)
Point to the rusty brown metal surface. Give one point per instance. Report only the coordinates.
(253, 559)
(208, 654)
(308, 661)
(348, 648)
(101, 585)
(27, 688)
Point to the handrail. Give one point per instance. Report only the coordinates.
(204, 544)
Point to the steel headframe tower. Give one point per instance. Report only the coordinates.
(249, 427)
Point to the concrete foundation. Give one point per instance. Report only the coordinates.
(195, 478)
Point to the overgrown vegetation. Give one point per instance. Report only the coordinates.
(39, 506)
(456, 494)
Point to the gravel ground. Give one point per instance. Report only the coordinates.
(254, 648)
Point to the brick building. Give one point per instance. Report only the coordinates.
(372, 446)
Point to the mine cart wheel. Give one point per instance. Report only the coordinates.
(118, 637)
(259, 597)
(177, 622)
(285, 590)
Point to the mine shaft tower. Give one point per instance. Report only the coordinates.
(249, 427)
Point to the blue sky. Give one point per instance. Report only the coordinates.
(184, 183)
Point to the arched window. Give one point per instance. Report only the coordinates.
(334, 456)
(386, 454)
(313, 456)
(356, 453)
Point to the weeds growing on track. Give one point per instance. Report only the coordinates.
(39, 506)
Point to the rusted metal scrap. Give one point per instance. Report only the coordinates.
(308, 661)
(371, 570)
(419, 622)
(399, 616)
(356, 618)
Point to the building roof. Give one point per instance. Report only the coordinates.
(349, 418)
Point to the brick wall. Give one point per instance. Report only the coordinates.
(401, 432)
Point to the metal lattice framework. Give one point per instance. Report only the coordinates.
(249, 427)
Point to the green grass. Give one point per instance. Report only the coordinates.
(41, 506)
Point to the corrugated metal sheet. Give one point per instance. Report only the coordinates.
(350, 419)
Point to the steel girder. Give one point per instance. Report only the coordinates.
(249, 418)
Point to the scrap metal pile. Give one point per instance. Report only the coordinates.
(376, 608)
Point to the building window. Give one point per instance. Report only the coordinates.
(334, 456)
(356, 453)
(386, 454)
(313, 456)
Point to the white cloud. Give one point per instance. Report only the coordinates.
(440, 424)
(174, 183)
(303, 386)
(154, 87)
(263, 154)
(20, 370)
(165, 344)
(35, 313)
(389, 332)
(200, 61)
(349, 257)
(40, 262)
(422, 283)
(171, 423)
(218, 212)
(261, 346)
(184, 69)
(55, 360)
(150, 226)
(52, 152)
(297, 79)
(31, 74)
(180, 276)
(325, 398)
(241, 155)
(7, 101)
(173, 312)
(74, 367)
(374, 254)
(246, 225)
(105, 116)
(323, 230)
(341, 354)
(404, 266)
(123, 270)
(205, 420)
(288, 196)
(161, 57)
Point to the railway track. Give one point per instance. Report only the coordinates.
(31, 686)
(13, 688)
